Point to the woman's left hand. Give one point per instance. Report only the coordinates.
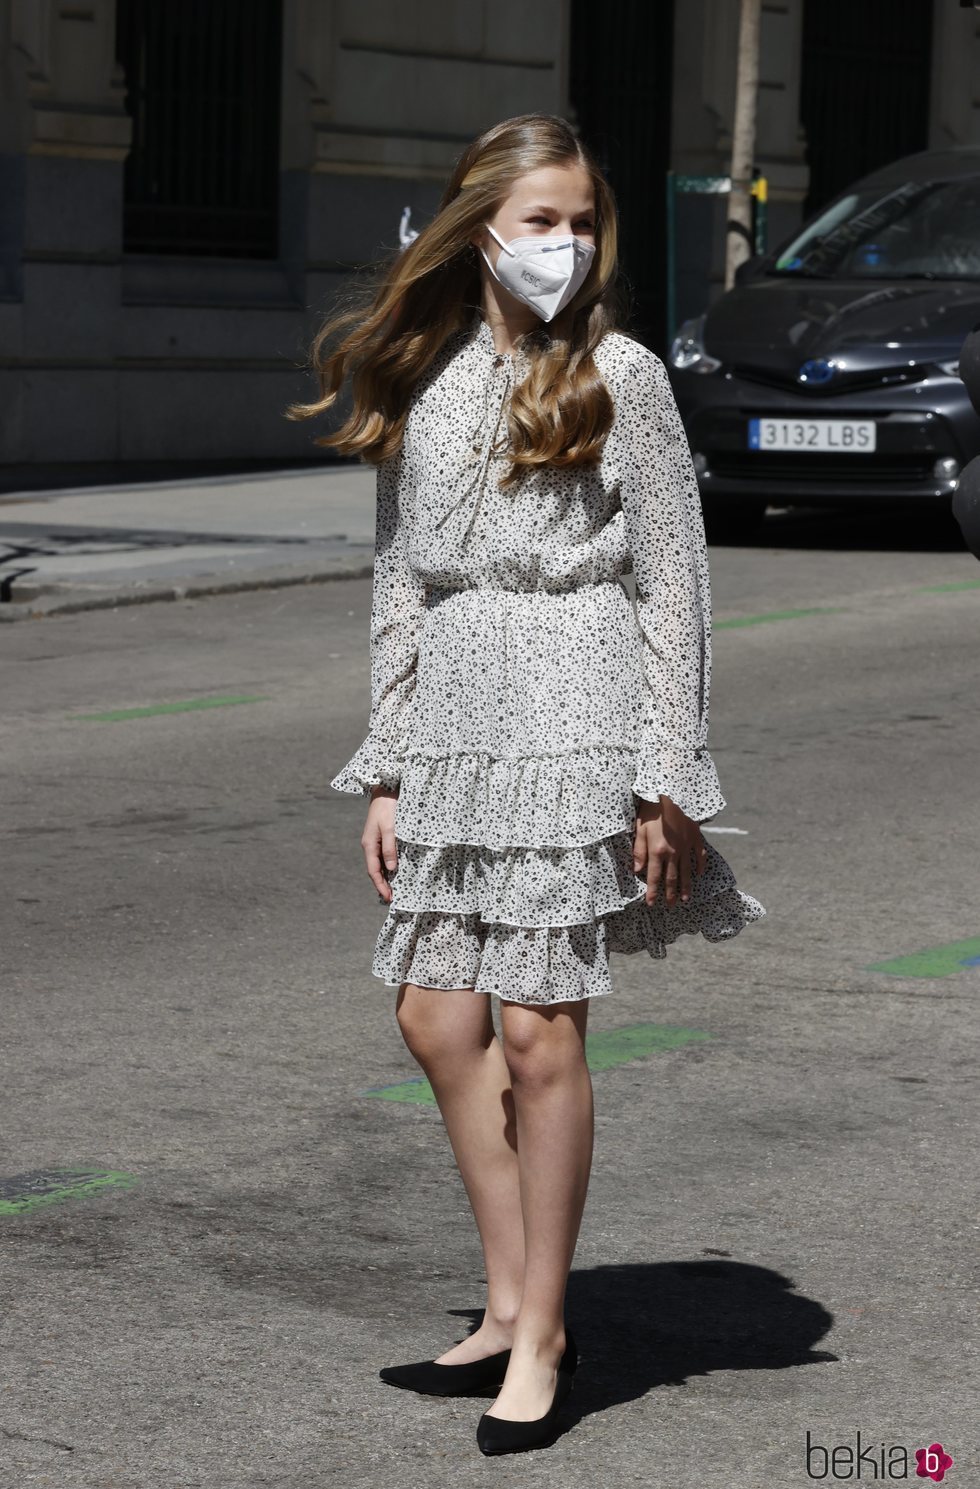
(668, 845)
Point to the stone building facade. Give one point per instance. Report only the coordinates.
(168, 244)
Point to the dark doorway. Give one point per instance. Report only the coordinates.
(620, 77)
(864, 96)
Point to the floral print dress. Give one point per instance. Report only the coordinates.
(519, 702)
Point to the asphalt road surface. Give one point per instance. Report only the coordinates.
(225, 1202)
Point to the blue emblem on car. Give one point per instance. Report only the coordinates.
(819, 370)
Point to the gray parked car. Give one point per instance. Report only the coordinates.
(828, 374)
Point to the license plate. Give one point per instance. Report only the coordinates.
(822, 436)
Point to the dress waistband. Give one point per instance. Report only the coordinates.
(435, 593)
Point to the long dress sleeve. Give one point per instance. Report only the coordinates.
(397, 609)
(666, 539)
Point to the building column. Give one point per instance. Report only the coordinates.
(954, 97)
(64, 135)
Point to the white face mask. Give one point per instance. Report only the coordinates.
(544, 273)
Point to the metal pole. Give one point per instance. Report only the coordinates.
(739, 237)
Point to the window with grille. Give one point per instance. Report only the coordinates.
(202, 87)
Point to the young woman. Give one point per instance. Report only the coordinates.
(536, 757)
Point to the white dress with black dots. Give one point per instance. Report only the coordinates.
(518, 701)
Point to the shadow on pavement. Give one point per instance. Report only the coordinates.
(639, 1327)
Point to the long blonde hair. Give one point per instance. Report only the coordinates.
(561, 412)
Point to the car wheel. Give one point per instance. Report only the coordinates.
(732, 519)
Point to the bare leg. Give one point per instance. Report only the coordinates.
(450, 1032)
(545, 1052)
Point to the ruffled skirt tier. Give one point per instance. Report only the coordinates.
(564, 800)
(537, 924)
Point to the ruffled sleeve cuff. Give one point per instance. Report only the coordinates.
(376, 763)
(687, 775)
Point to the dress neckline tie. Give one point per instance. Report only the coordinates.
(486, 442)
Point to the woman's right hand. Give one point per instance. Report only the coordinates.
(378, 840)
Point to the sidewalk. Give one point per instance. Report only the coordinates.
(98, 547)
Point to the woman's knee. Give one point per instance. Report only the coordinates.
(418, 1028)
(429, 1027)
(541, 1050)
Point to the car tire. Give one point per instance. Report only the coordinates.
(732, 519)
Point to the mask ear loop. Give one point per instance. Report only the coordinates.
(505, 246)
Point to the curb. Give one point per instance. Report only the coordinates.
(70, 599)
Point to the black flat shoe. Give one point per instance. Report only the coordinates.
(433, 1379)
(501, 1435)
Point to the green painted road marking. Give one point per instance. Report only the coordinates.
(25, 1192)
(612, 1047)
(417, 1090)
(603, 1050)
(115, 714)
(935, 589)
(933, 961)
(758, 620)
